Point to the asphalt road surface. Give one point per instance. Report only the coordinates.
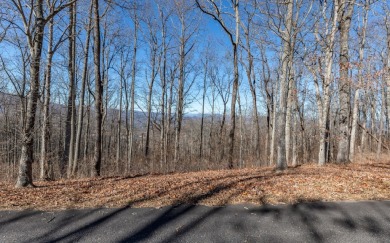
(302, 222)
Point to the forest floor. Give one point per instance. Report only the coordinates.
(351, 182)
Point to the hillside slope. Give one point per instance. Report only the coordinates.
(360, 181)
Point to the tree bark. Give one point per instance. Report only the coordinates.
(26, 157)
(97, 158)
(284, 85)
(346, 8)
(324, 99)
(235, 89)
(153, 62)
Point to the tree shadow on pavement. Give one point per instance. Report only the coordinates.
(306, 221)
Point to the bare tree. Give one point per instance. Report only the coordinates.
(286, 68)
(186, 30)
(323, 73)
(71, 112)
(248, 27)
(346, 11)
(204, 92)
(97, 158)
(154, 45)
(387, 21)
(46, 167)
(34, 23)
(360, 82)
(80, 116)
(213, 10)
(165, 13)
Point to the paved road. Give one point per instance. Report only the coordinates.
(303, 222)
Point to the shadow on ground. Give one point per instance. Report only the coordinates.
(300, 222)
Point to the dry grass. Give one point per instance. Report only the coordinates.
(357, 181)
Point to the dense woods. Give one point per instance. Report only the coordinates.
(91, 88)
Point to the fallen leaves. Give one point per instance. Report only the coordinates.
(256, 185)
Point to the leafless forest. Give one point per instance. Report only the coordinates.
(115, 87)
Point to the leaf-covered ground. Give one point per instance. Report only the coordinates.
(368, 181)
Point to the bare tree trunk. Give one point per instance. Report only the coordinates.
(26, 157)
(163, 78)
(119, 127)
(344, 87)
(323, 101)
(355, 111)
(45, 160)
(250, 72)
(169, 113)
(294, 162)
(388, 67)
(82, 96)
(235, 88)
(203, 105)
(291, 99)
(132, 93)
(211, 129)
(149, 102)
(373, 103)
(269, 93)
(87, 129)
(363, 140)
(241, 162)
(284, 83)
(97, 158)
(71, 113)
(234, 39)
(381, 123)
(180, 98)
(289, 119)
(221, 143)
(273, 131)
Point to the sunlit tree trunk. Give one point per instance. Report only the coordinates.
(324, 99)
(26, 157)
(284, 84)
(355, 111)
(45, 160)
(34, 31)
(344, 86)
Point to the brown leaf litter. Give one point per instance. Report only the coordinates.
(356, 181)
